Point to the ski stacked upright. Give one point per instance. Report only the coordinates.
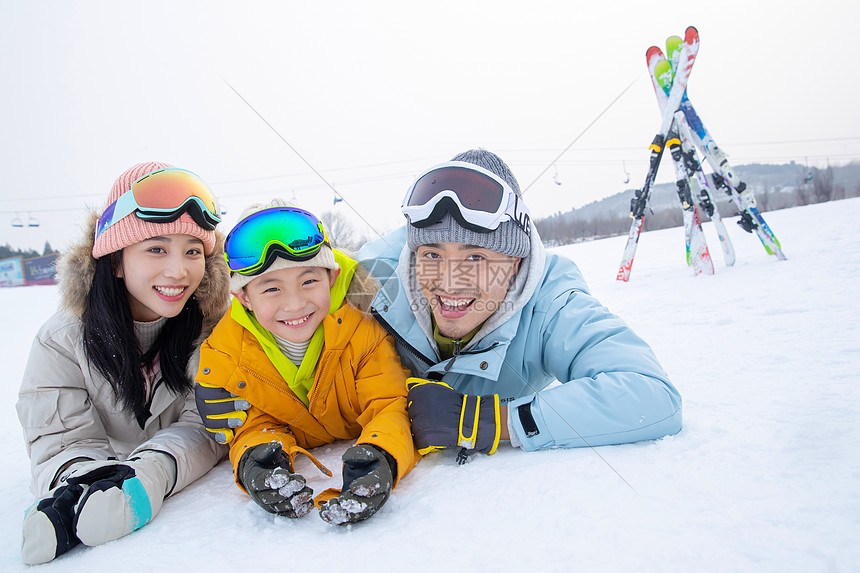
(701, 189)
(725, 178)
(669, 77)
(698, 256)
(685, 158)
(639, 202)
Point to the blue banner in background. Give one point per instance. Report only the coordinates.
(41, 270)
(16, 271)
(11, 272)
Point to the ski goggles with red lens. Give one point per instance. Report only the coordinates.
(477, 198)
(258, 239)
(162, 196)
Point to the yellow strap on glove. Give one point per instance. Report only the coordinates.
(441, 418)
(220, 411)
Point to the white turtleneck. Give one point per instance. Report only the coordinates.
(147, 333)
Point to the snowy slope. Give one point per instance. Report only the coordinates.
(765, 475)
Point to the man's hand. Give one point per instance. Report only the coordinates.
(220, 411)
(267, 475)
(368, 476)
(442, 418)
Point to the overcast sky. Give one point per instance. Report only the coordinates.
(368, 94)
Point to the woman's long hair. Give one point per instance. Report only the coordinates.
(111, 344)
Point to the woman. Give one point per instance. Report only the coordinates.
(110, 426)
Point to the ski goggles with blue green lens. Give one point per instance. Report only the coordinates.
(477, 198)
(258, 239)
(162, 196)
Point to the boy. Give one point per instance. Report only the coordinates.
(312, 366)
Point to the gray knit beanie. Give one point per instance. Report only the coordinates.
(508, 239)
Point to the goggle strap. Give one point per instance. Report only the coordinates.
(194, 206)
(124, 206)
(274, 252)
(450, 207)
(515, 211)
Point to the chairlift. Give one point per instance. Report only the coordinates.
(809, 175)
(335, 197)
(16, 221)
(626, 173)
(555, 176)
(32, 221)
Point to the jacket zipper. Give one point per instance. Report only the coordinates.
(146, 413)
(409, 348)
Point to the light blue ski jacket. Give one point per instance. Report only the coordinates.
(612, 389)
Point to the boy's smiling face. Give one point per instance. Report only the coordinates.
(290, 303)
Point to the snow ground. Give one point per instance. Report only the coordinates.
(765, 475)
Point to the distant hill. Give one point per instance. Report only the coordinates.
(775, 187)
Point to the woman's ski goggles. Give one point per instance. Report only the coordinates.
(477, 198)
(162, 196)
(258, 239)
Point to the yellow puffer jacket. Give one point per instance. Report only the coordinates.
(359, 389)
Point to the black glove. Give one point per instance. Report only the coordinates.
(220, 410)
(266, 474)
(368, 476)
(442, 418)
(48, 531)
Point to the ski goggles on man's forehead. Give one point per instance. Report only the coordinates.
(477, 198)
(162, 196)
(258, 239)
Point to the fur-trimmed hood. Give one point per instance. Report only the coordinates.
(362, 287)
(77, 267)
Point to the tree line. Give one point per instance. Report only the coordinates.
(7, 252)
(813, 185)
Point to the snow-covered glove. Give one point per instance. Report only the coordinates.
(120, 497)
(48, 529)
(267, 475)
(368, 476)
(220, 411)
(442, 418)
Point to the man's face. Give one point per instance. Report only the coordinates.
(464, 284)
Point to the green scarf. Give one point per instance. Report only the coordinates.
(299, 378)
(447, 345)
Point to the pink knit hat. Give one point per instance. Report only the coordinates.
(131, 229)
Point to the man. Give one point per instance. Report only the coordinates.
(487, 321)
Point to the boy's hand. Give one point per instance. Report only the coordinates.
(442, 418)
(266, 474)
(368, 476)
(220, 411)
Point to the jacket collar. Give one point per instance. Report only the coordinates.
(482, 357)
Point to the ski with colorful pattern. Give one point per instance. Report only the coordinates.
(639, 202)
(662, 76)
(750, 219)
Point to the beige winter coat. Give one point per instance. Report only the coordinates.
(68, 410)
